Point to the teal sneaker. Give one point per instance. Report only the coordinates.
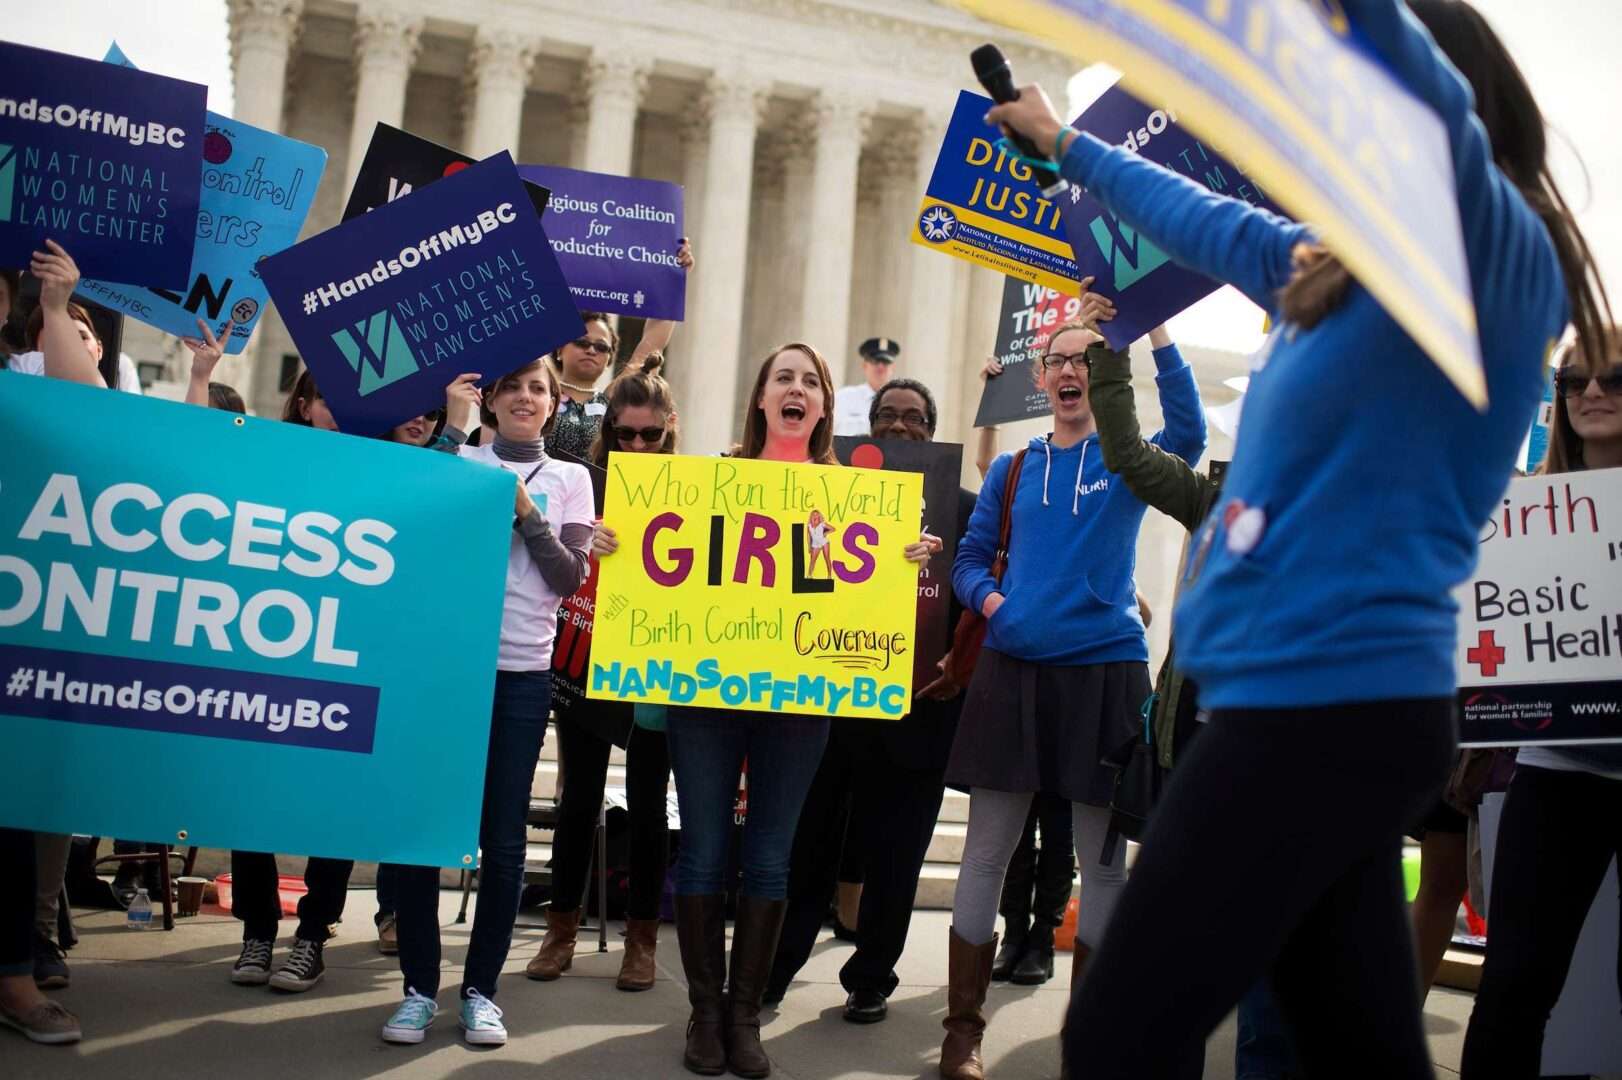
(481, 1021)
(410, 1021)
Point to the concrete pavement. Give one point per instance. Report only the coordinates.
(159, 1005)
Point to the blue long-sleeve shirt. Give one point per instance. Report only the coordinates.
(1361, 478)
(1069, 596)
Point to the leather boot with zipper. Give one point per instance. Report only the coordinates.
(641, 941)
(968, 977)
(1035, 966)
(754, 944)
(702, 934)
(557, 947)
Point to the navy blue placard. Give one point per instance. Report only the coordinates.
(391, 306)
(105, 160)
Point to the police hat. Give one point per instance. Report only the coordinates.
(880, 350)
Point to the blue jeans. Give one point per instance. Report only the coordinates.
(707, 751)
(517, 728)
(388, 877)
(1263, 1051)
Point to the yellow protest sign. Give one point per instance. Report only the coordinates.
(757, 585)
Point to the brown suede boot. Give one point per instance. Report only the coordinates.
(557, 947)
(702, 933)
(1078, 963)
(754, 944)
(636, 969)
(968, 976)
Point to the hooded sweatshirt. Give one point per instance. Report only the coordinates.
(1069, 595)
(1362, 478)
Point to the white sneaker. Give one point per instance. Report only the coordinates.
(410, 1021)
(481, 1021)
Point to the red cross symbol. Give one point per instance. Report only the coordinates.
(1487, 654)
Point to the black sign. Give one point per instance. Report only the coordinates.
(398, 162)
(1541, 713)
(942, 465)
(1030, 314)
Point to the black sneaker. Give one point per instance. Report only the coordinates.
(253, 966)
(50, 966)
(303, 968)
(866, 1007)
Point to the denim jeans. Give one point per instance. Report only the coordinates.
(388, 880)
(707, 751)
(517, 728)
(256, 896)
(17, 902)
(1263, 1051)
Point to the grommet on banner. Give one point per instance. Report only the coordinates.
(467, 860)
(240, 421)
(181, 836)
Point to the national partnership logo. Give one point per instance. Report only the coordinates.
(378, 351)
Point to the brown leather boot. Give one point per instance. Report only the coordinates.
(636, 969)
(557, 947)
(1078, 963)
(968, 976)
(702, 933)
(754, 944)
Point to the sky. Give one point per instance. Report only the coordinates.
(1566, 48)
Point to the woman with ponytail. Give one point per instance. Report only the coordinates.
(1317, 611)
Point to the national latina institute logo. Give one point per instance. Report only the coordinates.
(937, 224)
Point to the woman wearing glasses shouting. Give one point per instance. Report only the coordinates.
(1064, 674)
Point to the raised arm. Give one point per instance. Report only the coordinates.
(657, 333)
(1184, 433)
(65, 354)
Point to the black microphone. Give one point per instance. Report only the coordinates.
(992, 69)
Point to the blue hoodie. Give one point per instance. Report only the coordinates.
(1362, 478)
(1069, 596)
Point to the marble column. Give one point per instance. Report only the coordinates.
(614, 87)
(695, 137)
(735, 103)
(983, 311)
(262, 37)
(791, 144)
(896, 163)
(386, 43)
(497, 80)
(841, 123)
(928, 341)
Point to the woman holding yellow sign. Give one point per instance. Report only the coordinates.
(789, 419)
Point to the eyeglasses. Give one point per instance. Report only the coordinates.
(1054, 361)
(601, 348)
(1575, 383)
(912, 417)
(649, 435)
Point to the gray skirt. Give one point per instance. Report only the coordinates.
(1037, 727)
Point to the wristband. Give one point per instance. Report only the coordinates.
(1058, 140)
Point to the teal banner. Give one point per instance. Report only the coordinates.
(226, 631)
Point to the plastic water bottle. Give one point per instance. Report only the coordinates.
(139, 916)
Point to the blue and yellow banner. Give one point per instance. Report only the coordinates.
(227, 631)
(1293, 95)
(982, 206)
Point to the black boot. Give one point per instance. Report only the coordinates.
(754, 943)
(702, 934)
(1036, 966)
(1015, 934)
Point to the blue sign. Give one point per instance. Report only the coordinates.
(249, 629)
(1146, 286)
(616, 239)
(105, 160)
(982, 206)
(257, 191)
(391, 306)
(1326, 128)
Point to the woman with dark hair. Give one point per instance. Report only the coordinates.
(1316, 612)
(1562, 820)
(640, 419)
(60, 334)
(306, 406)
(789, 418)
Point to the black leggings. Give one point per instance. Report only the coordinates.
(1558, 835)
(1276, 849)
(17, 902)
(585, 774)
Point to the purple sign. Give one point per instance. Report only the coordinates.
(389, 307)
(1146, 286)
(616, 239)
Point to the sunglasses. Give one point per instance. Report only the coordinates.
(1054, 361)
(602, 348)
(649, 435)
(1575, 383)
(911, 418)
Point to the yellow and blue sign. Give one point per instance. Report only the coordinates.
(243, 609)
(758, 585)
(105, 160)
(391, 306)
(1290, 90)
(981, 205)
(257, 190)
